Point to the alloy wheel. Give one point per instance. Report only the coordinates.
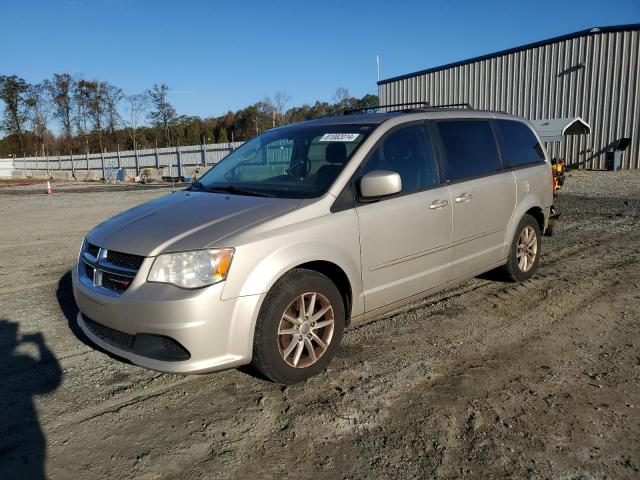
(306, 329)
(527, 248)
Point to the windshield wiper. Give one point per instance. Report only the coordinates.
(237, 190)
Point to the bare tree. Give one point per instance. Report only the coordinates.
(82, 97)
(97, 108)
(278, 104)
(13, 92)
(40, 106)
(113, 96)
(281, 99)
(163, 115)
(135, 107)
(61, 89)
(341, 95)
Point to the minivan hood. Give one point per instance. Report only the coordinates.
(185, 220)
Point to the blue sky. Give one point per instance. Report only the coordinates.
(217, 56)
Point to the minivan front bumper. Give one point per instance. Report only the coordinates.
(169, 329)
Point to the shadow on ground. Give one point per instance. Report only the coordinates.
(23, 446)
(68, 306)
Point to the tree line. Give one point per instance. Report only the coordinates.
(95, 116)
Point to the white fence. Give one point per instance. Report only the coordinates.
(181, 161)
(6, 167)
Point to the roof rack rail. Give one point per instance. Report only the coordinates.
(408, 107)
(391, 105)
(454, 105)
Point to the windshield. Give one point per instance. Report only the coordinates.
(289, 162)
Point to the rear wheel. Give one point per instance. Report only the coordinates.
(524, 254)
(299, 327)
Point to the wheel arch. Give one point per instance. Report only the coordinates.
(338, 276)
(538, 214)
(530, 205)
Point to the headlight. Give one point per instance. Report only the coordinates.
(191, 269)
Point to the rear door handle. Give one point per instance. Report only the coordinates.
(438, 204)
(464, 197)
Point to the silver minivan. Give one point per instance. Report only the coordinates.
(308, 228)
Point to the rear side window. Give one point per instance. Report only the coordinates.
(518, 143)
(470, 148)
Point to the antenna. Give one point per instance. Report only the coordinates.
(378, 65)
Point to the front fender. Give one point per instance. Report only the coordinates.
(333, 238)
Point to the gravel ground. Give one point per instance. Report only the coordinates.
(488, 380)
(39, 186)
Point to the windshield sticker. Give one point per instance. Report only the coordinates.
(339, 137)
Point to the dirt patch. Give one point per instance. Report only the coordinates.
(487, 380)
(65, 186)
(20, 182)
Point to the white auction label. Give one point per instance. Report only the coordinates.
(339, 137)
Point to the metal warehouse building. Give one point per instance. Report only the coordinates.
(592, 74)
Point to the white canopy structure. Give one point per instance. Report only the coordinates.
(554, 129)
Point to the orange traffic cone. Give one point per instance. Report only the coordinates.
(49, 191)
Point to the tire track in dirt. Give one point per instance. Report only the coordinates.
(619, 247)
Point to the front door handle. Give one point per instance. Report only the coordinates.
(464, 197)
(438, 204)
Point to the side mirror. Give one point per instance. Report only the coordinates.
(380, 183)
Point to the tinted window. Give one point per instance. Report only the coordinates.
(470, 148)
(408, 152)
(519, 145)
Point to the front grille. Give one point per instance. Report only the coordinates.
(117, 283)
(109, 335)
(126, 260)
(89, 270)
(93, 250)
(108, 270)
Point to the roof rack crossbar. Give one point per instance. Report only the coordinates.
(408, 107)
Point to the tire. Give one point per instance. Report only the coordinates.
(286, 341)
(516, 269)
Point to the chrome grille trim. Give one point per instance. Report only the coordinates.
(104, 265)
(100, 266)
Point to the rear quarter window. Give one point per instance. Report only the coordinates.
(518, 144)
(470, 148)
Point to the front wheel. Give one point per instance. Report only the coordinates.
(524, 254)
(299, 327)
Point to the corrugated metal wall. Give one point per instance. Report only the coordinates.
(595, 76)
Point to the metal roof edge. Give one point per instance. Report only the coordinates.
(581, 33)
